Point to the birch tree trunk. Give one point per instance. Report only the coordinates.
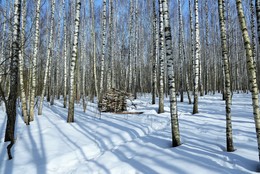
(207, 48)
(48, 58)
(251, 70)
(130, 56)
(191, 36)
(111, 46)
(70, 117)
(2, 47)
(11, 102)
(93, 34)
(222, 24)
(197, 59)
(113, 40)
(257, 5)
(161, 60)
(101, 88)
(155, 53)
(181, 65)
(65, 55)
(21, 63)
(34, 61)
(171, 79)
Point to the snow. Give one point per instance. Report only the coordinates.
(130, 143)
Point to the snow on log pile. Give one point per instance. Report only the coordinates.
(115, 101)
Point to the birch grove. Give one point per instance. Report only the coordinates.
(79, 51)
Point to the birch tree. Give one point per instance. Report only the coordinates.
(171, 79)
(34, 60)
(21, 62)
(64, 55)
(197, 58)
(155, 53)
(11, 101)
(222, 24)
(48, 58)
(101, 88)
(257, 4)
(161, 60)
(93, 34)
(73, 61)
(130, 55)
(251, 70)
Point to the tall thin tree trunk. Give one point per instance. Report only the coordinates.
(73, 61)
(197, 59)
(48, 58)
(11, 102)
(257, 4)
(93, 35)
(65, 55)
(251, 70)
(171, 79)
(111, 45)
(222, 24)
(161, 61)
(155, 53)
(34, 61)
(21, 62)
(207, 64)
(130, 55)
(101, 88)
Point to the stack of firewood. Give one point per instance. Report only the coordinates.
(114, 101)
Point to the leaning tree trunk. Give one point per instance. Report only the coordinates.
(161, 61)
(171, 79)
(73, 61)
(48, 58)
(34, 61)
(251, 70)
(222, 24)
(21, 63)
(11, 102)
(197, 59)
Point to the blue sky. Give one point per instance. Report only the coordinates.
(98, 2)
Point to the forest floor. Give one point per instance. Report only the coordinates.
(132, 143)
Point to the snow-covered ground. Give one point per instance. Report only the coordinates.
(133, 143)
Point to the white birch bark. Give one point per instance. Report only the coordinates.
(171, 79)
(50, 45)
(65, 55)
(93, 34)
(70, 117)
(197, 59)
(251, 70)
(101, 88)
(161, 60)
(257, 5)
(34, 60)
(222, 24)
(21, 62)
(130, 73)
(155, 53)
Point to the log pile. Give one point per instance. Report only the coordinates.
(115, 101)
